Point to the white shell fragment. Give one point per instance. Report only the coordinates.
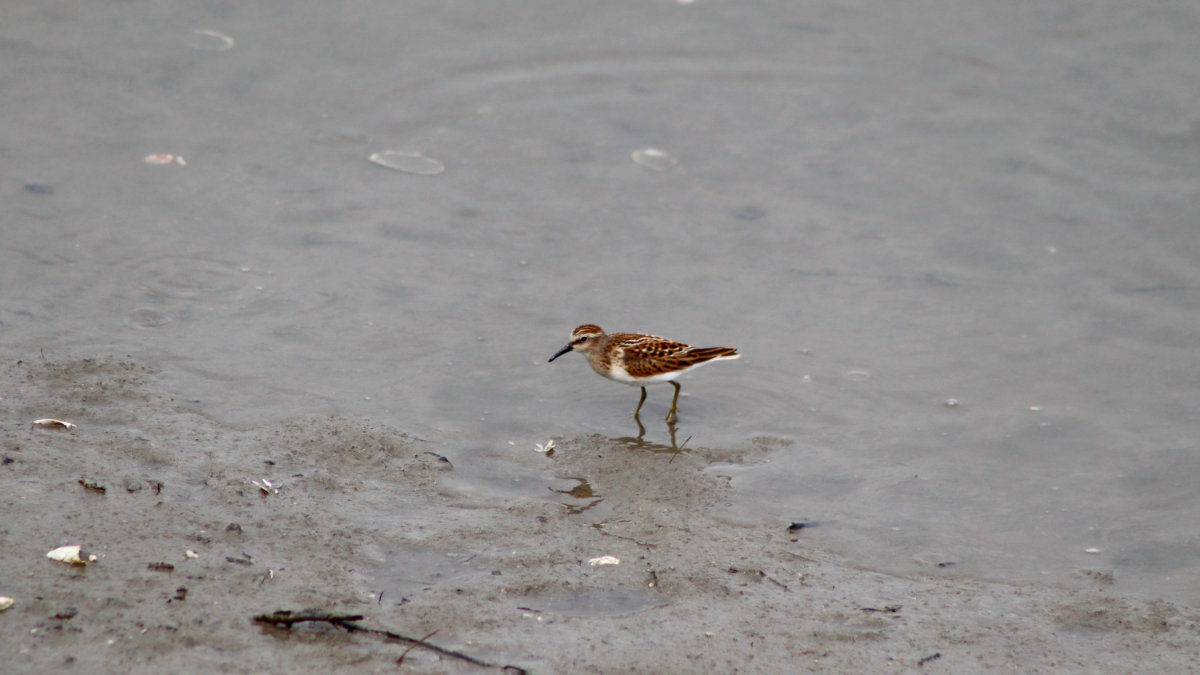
(605, 560)
(546, 449)
(209, 40)
(5, 602)
(49, 423)
(654, 159)
(408, 162)
(266, 486)
(191, 554)
(70, 555)
(161, 158)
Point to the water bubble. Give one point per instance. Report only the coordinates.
(209, 40)
(654, 159)
(186, 278)
(408, 162)
(148, 318)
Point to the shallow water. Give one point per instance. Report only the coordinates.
(884, 207)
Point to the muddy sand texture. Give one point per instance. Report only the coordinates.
(371, 522)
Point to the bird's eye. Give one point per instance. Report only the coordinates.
(583, 339)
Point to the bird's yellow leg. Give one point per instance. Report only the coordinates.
(674, 401)
(640, 402)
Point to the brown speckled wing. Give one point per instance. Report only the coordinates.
(647, 346)
(648, 356)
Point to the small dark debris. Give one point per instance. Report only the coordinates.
(776, 582)
(440, 458)
(932, 657)
(68, 613)
(798, 525)
(8, 460)
(269, 462)
(938, 281)
(233, 527)
(750, 213)
(39, 189)
(160, 567)
(890, 609)
(495, 573)
(133, 486)
(92, 485)
(285, 618)
(180, 594)
(240, 561)
(158, 488)
(948, 563)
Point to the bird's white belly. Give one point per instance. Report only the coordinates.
(626, 378)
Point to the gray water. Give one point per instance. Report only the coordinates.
(957, 245)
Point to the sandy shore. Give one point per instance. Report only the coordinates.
(370, 522)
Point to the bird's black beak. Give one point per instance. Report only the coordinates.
(562, 351)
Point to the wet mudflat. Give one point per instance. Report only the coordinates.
(367, 521)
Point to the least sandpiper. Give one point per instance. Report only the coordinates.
(638, 360)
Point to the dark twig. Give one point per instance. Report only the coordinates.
(890, 609)
(286, 618)
(679, 450)
(415, 642)
(400, 661)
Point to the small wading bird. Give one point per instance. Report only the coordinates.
(638, 360)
